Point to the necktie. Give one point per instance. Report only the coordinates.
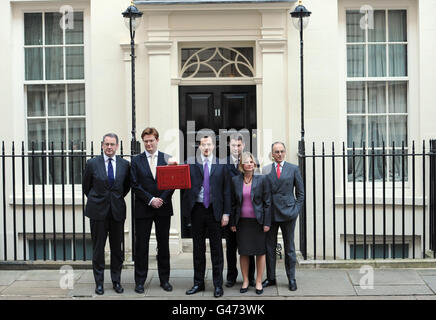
(153, 165)
(206, 190)
(110, 172)
(278, 170)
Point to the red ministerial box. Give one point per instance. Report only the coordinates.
(173, 177)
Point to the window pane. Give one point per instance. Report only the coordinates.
(376, 97)
(376, 161)
(56, 100)
(35, 165)
(57, 132)
(35, 100)
(54, 64)
(397, 130)
(36, 133)
(33, 58)
(378, 34)
(76, 99)
(356, 131)
(358, 163)
(79, 249)
(39, 249)
(354, 31)
(398, 158)
(356, 97)
(53, 30)
(398, 97)
(399, 251)
(74, 35)
(356, 60)
(33, 29)
(378, 251)
(359, 251)
(397, 25)
(397, 60)
(55, 168)
(60, 249)
(377, 60)
(75, 163)
(76, 133)
(377, 130)
(74, 61)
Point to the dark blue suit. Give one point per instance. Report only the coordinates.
(106, 209)
(145, 188)
(207, 219)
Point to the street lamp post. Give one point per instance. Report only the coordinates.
(300, 19)
(132, 17)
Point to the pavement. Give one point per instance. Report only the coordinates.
(72, 283)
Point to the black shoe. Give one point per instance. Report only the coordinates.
(196, 288)
(252, 283)
(259, 291)
(268, 283)
(117, 287)
(166, 286)
(99, 289)
(243, 290)
(230, 283)
(139, 288)
(292, 285)
(218, 292)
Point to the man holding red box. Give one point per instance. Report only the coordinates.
(151, 205)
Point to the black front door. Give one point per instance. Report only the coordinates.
(216, 108)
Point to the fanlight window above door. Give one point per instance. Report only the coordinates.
(217, 62)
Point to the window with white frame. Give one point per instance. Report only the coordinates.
(55, 95)
(377, 92)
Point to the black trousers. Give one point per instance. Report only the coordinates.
(231, 256)
(204, 223)
(99, 232)
(143, 230)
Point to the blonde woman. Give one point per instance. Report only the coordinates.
(250, 218)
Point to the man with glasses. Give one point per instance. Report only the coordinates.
(284, 178)
(106, 182)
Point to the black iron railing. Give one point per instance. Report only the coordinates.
(366, 199)
(40, 184)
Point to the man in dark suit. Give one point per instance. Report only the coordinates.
(237, 146)
(208, 203)
(151, 205)
(106, 182)
(284, 178)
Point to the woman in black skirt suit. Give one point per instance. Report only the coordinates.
(250, 218)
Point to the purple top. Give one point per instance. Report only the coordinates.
(247, 210)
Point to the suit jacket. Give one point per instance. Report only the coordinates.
(284, 206)
(145, 187)
(260, 198)
(102, 198)
(233, 171)
(220, 197)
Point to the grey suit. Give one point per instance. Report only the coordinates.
(284, 212)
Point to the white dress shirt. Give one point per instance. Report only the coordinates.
(114, 163)
(149, 163)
